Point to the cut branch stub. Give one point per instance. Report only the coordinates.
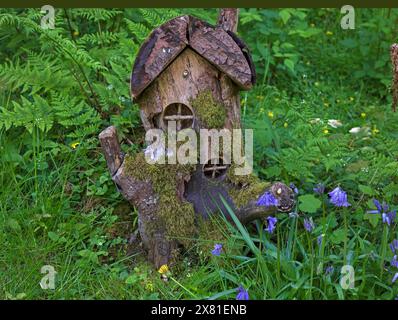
(394, 86)
(228, 19)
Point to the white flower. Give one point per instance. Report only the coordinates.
(334, 123)
(355, 130)
(316, 120)
(358, 130)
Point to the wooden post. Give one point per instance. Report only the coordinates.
(394, 86)
(228, 19)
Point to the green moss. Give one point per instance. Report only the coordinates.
(176, 216)
(212, 115)
(246, 187)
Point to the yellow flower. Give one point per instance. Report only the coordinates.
(285, 124)
(363, 115)
(352, 99)
(325, 131)
(329, 33)
(149, 286)
(270, 114)
(375, 130)
(74, 144)
(163, 269)
(76, 33)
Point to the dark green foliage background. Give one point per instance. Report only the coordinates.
(58, 206)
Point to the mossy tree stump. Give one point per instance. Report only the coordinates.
(190, 72)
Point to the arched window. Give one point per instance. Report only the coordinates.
(180, 113)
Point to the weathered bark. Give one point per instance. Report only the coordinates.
(162, 46)
(141, 195)
(228, 19)
(218, 47)
(394, 86)
(217, 44)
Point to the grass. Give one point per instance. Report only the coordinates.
(59, 207)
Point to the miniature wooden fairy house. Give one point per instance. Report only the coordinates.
(190, 72)
(184, 59)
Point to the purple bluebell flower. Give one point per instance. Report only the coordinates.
(309, 224)
(338, 197)
(394, 245)
(242, 294)
(294, 188)
(320, 239)
(319, 188)
(395, 278)
(383, 210)
(329, 270)
(267, 200)
(217, 249)
(271, 224)
(394, 262)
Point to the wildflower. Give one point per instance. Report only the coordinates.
(309, 224)
(375, 130)
(363, 115)
(338, 197)
(285, 124)
(315, 121)
(394, 246)
(355, 130)
(325, 131)
(267, 200)
(242, 294)
(334, 123)
(149, 286)
(394, 262)
(271, 224)
(319, 188)
(329, 270)
(217, 249)
(395, 278)
(163, 269)
(75, 33)
(294, 188)
(387, 217)
(329, 33)
(74, 144)
(320, 239)
(270, 114)
(351, 99)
